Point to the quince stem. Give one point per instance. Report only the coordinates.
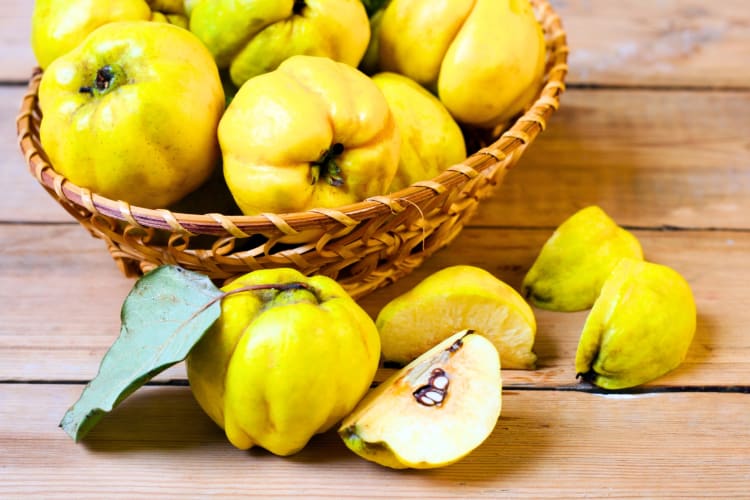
(327, 167)
(107, 77)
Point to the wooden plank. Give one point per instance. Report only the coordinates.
(601, 148)
(677, 445)
(58, 325)
(639, 42)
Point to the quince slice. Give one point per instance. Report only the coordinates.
(453, 299)
(640, 327)
(434, 411)
(574, 262)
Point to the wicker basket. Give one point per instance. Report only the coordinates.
(363, 246)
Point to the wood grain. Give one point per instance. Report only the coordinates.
(634, 43)
(74, 294)
(547, 444)
(605, 147)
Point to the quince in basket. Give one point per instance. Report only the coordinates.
(281, 365)
(57, 26)
(485, 58)
(250, 38)
(131, 113)
(431, 140)
(312, 133)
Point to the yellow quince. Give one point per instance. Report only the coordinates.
(288, 358)
(484, 58)
(57, 26)
(431, 140)
(251, 38)
(131, 113)
(640, 327)
(312, 133)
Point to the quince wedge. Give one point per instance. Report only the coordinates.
(58, 26)
(453, 299)
(434, 411)
(640, 327)
(484, 58)
(574, 262)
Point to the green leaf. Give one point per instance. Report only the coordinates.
(163, 317)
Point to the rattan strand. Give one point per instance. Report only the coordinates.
(364, 246)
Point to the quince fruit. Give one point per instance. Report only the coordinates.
(312, 133)
(57, 26)
(433, 412)
(131, 113)
(640, 327)
(574, 262)
(288, 358)
(458, 298)
(254, 37)
(431, 140)
(484, 58)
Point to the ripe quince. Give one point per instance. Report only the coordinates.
(576, 260)
(434, 411)
(131, 113)
(251, 38)
(640, 327)
(484, 58)
(431, 140)
(458, 298)
(57, 26)
(312, 133)
(283, 363)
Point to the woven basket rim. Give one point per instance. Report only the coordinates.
(522, 132)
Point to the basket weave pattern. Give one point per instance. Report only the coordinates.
(363, 246)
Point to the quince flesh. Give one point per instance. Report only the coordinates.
(279, 366)
(640, 327)
(574, 262)
(57, 26)
(434, 411)
(457, 298)
(431, 140)
(484, 58)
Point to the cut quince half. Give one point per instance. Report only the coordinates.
(458, 298)
(434, 411)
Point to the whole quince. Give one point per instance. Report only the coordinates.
(312, 133)
(640, 327)
(250, 38)
(485, 58)
(431, 140)
(57, 26)
(288, 358)
(131, 113)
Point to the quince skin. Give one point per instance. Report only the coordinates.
(312, 133)
(485, 58)
(131, 113)
(431, 140)
(285, 362)
(254, 37)
(57, 26)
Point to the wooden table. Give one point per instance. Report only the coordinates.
(654, 128)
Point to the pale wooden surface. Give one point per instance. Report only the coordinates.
(653, 128)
